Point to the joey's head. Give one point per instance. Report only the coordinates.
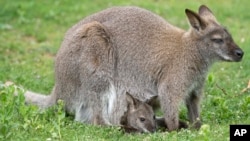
(139, 116)
(215, 41)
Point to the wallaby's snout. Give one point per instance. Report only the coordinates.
(238, 54)
(234, 53)
(226, 50)
(232, 50)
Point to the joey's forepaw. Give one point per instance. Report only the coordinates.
(161, 124)
(128, 129)
(183, 125)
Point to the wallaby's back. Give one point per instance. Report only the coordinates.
(134, 34)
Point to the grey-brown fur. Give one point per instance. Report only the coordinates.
(131, 49)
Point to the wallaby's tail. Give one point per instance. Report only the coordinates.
(43, 101)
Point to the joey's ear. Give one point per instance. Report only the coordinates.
(205, 12)
(152, 100)
(195, 20)
(132, 102)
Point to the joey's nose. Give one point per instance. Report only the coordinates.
(153, 129)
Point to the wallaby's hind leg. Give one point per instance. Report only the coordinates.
(192, 103)
(89, 115)
(83, 113)
(93, 41)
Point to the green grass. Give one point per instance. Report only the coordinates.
(31, 33)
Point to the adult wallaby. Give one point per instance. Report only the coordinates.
(131, 49)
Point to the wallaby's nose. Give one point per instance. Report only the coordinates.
(239, 53)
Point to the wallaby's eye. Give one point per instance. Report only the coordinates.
(154, 117)
(217, 40)
(142, 119)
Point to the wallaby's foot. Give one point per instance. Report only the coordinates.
(98, 120)
(161, 124)
(196, 125)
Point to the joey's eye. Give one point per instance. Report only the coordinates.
(217, 40)
(142, 119)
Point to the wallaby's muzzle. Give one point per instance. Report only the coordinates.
(238, 54)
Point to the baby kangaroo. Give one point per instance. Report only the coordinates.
(130, 49)
(139, 117)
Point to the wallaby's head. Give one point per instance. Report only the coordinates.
(211, 36)
(139, 116)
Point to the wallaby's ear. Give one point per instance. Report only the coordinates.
(204, 11)
(195, 20)
(132, 102)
